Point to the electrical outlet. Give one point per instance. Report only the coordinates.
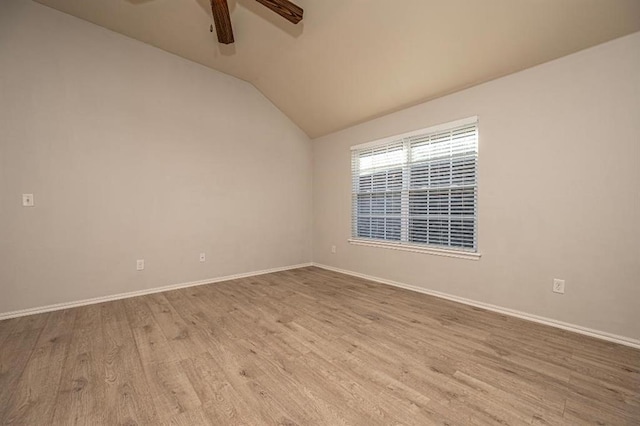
(27, 200)
(203, 257)
(333, 249)
(139, 264)
(558, 286)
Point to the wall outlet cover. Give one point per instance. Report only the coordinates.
(558, 286)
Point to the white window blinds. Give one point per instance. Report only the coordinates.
(419, 188)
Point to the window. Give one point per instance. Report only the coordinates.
(418, 190)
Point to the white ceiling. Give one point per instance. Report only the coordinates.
(351, 60)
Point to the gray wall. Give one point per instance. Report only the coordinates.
(559, 192)
(135, 153)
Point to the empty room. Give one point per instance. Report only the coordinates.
(319, 212)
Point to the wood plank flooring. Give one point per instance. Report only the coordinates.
(306, 347)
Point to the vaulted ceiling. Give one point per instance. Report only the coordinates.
(351, 60)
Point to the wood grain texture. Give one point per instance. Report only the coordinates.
(221, 18)
(290, 11)
(306, 347)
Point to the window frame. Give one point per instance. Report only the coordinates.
(404, 243)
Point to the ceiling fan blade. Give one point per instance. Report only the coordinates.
(284, 8)
(222, 20)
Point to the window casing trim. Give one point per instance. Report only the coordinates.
(416, 248)
(403, 244)
(432, 129)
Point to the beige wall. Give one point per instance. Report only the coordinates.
(135, 153)
(559, 192)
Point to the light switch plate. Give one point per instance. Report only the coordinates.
(27, 200)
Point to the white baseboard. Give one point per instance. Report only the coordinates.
(66, 305)
(627, 341)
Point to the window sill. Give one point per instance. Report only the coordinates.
(460, 254)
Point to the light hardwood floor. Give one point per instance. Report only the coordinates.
(306, 347)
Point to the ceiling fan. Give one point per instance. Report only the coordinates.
(220, 9)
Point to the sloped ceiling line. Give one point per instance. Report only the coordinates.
(350, 60)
